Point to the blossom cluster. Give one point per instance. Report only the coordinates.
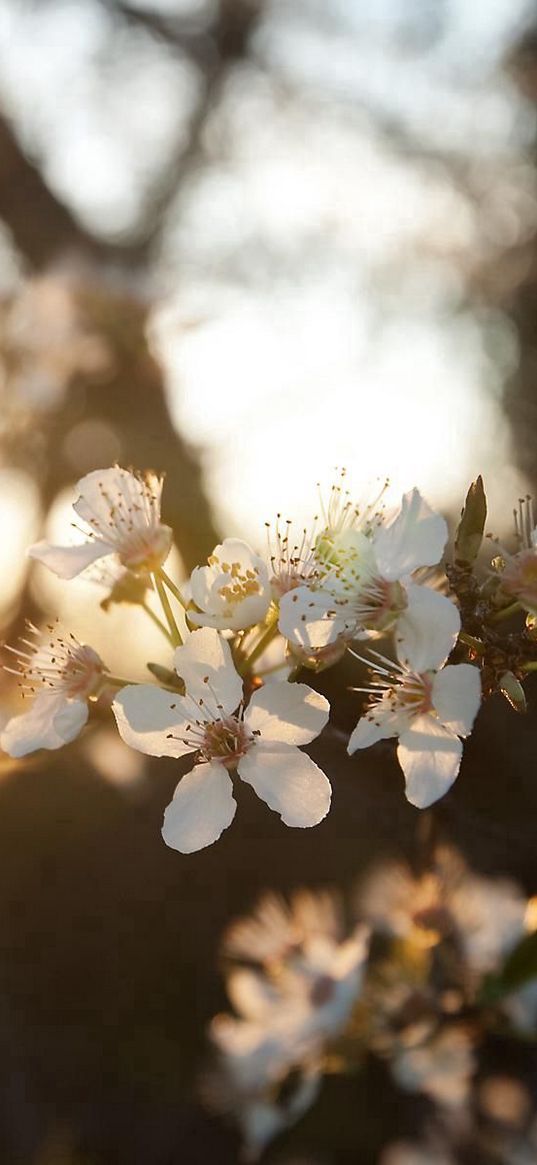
(245, 629)
(418, 980)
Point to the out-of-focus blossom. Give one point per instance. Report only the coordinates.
(518, 572)
(504, 1099)
(414, 1153)
(428, 705)
(232, 591)
(299, 998)
(263, 1076)
(261, 742)
(317, 985)
(442, 1068)
(45, 341)
(62, 675)
(363, 573)
(277, 928)
(485, 916)
(120, 512)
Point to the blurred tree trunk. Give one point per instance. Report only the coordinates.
(131, 400)
(521, 300)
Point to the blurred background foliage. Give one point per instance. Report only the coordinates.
(243, 242)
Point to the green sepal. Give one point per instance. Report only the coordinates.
(470, 530)
(168, 678)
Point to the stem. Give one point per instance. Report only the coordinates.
(268, 671)
(173, 588)
(259, 648)
(505, 613)
(158, 622)
(174, 630)
(116, 682)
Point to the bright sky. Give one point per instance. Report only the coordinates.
(312, 272)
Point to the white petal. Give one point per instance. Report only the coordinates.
(457, 695)
(245, 613)
(289, 781)
(205, 664)
(288, 713)
(251, 993)
(430, 757)
(204, 588)
(427, 630)
(50, 722)
(415, 538)
(151, 720)
(211, 586)
(377, 725)
(312, 619)
(68, 561)
(102, 489)
(202, 807)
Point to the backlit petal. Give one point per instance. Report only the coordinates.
(288, 713)
(68, 561)
(202, 807)
(427, 630)
(416, 537)
(288, 781)
(430, 757)
(151, 720)
(457, 695)
(50, 722)
(205, 664)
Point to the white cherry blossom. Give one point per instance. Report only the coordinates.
(120, 514)
(61, 674)
(264, 1075)
(277, 927)
(232, 591)
(486, 916)
(428, 705)
(259, 742)
(441, 1068)
(318, 985)
(362, 582)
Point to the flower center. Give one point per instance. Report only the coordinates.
(413, 694)
(226, 741)
(323, 990)
(61, 665)
(243, 582)
(143, 551)
(380, 603)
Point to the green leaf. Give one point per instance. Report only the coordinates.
(521, 964)
(469, 534)
(519, 968)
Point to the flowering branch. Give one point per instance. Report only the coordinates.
(249, 624)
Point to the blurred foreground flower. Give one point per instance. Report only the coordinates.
(420, 992)
(297, 1000)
